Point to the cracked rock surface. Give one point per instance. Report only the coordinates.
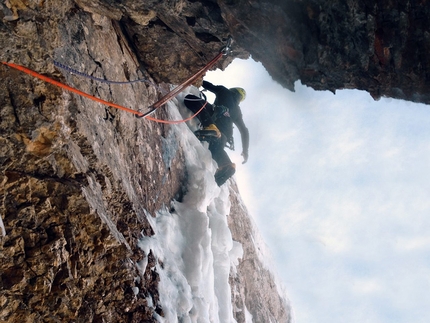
(78, 180)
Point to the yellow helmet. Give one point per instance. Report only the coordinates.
(240, 91)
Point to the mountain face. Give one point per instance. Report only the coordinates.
(377, 46)
(81, 182)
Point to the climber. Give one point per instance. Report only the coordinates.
(217, 122)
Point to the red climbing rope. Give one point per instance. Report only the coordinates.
(68, 88)
(177, 121)
(224, 51)
(182, 86)
(91, 97)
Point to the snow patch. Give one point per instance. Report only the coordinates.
(248, 316)
(235, 253)
(3, 230)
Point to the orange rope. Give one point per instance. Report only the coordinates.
(89, 96)
(177, 121)
(187, 83)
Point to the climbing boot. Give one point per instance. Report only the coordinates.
(208, 132)
(224, 173)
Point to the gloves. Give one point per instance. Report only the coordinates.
(245, 157)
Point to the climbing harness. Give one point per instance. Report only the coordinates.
(218, 111)
(224, 51)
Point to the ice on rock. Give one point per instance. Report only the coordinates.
(192, 239)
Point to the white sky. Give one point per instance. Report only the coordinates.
(339, 187)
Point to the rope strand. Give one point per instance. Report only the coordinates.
(177, 121)
(93, 98)
(73, 71)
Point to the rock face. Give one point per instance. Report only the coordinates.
(253, 286)
(79, 180)
(377, 46)
(171, 39)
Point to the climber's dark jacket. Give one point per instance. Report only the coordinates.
(223, 113)
(228, 99)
